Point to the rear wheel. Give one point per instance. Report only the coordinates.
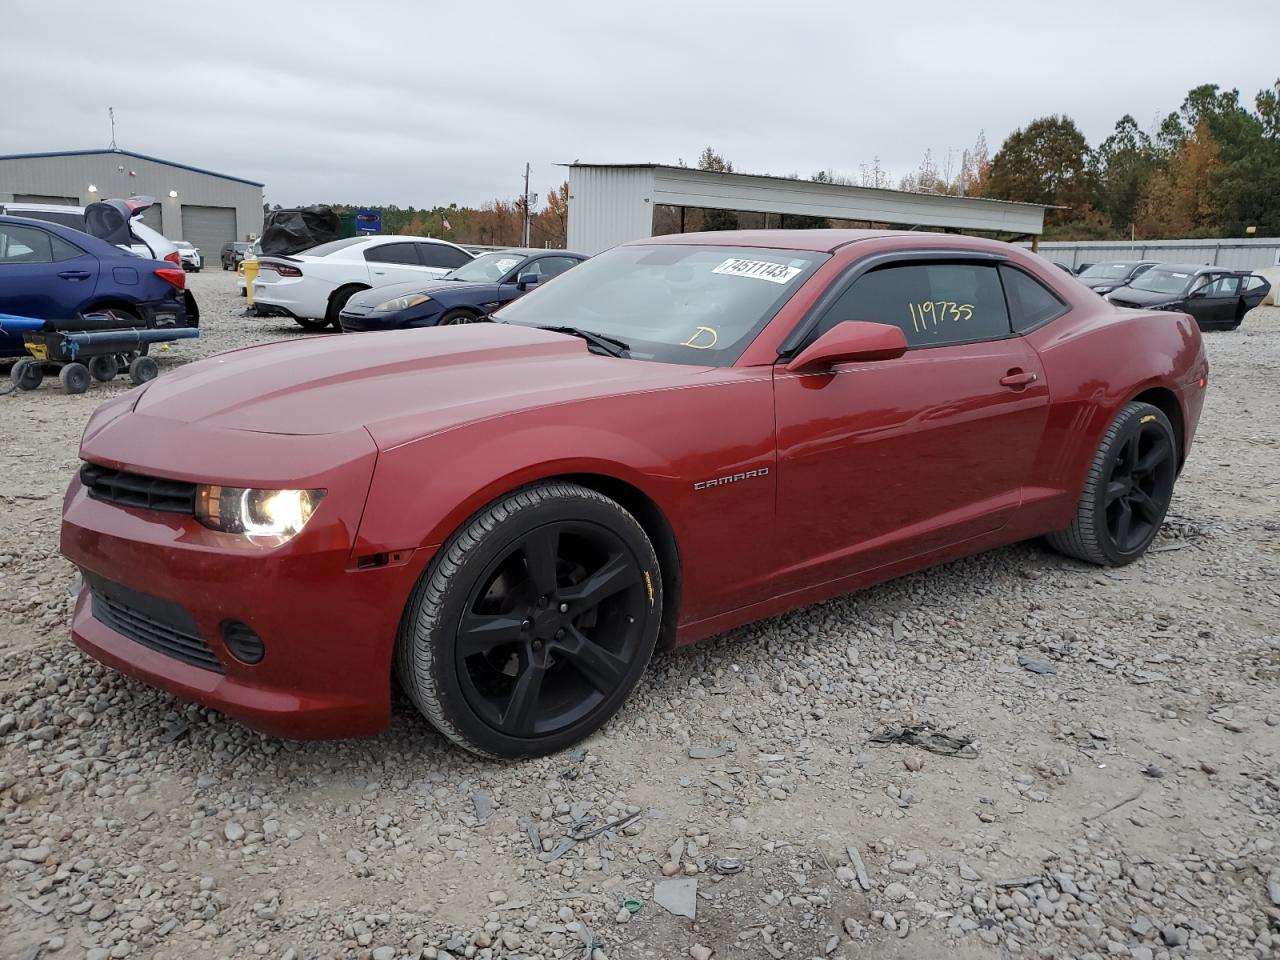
(336, 303)
(104, 368)
(143, 369)
(1127, 492)
(27, 374)
(75, 378)
(533, 623)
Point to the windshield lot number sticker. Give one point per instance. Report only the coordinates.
(931, 313)
(757, 269)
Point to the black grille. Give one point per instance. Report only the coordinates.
(135, 490)
(159, 625)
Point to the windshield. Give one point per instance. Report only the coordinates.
(676, 304)
(488, 267)
(1107, 271)
(1163, 280)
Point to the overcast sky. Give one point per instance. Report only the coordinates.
(420, 102)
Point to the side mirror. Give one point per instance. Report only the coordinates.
(851, 341)
(527, 280)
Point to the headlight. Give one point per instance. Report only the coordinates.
(276, 515)
(401, 303)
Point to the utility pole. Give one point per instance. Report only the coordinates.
(526, 205)
(111, 113)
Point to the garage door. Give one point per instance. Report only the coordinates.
(208, 228)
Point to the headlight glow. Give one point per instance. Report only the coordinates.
(271, 515)
(401, 303)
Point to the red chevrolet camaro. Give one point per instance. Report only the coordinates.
(681, 435)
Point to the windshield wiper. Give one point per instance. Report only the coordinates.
(610, 345)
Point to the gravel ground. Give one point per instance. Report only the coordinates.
(1120, 797)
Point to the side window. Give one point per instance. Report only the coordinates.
(552, 266)
(24, 245)
(1031, 303)
(933, 303)
(392, 253)
(64, 250)
(441, 255)
(1223, 287)
(1253, 282)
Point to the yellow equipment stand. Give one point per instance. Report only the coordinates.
(250, 270)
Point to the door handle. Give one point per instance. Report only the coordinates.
(1017, 378)
(74, 275)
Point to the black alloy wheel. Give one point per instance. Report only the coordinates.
(551, 628)
(1127, 491)
(1140, 486)
(533, 622)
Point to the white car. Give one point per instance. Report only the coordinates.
(115, 221)
(312, 287)
(189, 255)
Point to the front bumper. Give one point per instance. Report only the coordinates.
(327, 622)
(368, 321)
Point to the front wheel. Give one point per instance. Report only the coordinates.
(455, 317)
(533, 623)
(1127, 492)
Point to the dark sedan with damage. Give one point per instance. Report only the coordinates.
(1218, 298)
(470, 292)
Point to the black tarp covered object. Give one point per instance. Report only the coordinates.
(293, 231)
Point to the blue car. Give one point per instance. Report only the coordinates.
(52, 272)
(470, 292)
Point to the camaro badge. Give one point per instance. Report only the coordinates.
(731, 478)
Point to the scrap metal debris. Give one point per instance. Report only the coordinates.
(679, 897)
(923, 736)
(711, 753)
(1036, 665)
(859, 868)
(728, 866)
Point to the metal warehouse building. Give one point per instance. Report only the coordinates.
(613, 203)
(199, 206)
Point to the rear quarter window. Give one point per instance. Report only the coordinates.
(1031, 303)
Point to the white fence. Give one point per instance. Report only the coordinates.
(1252, 253)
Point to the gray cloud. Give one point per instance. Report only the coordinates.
(419, 103)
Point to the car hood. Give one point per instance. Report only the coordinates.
(399, 385)
(368, 299)
(1144, 298)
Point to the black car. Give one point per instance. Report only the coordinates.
(233, 251)
(1216, 297)
(1105, 277)
(470, 292)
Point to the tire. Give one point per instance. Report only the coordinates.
(142, 370)
(315, 326)
(523, 640)
(104, 368)
(27, 374)
(1140, 437)
(336, 303)
(457, 316)
(75, 378)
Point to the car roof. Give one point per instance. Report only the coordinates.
(395, 237)
(817, 241)
(1192, 268)
(85, 241)
(533, 252)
